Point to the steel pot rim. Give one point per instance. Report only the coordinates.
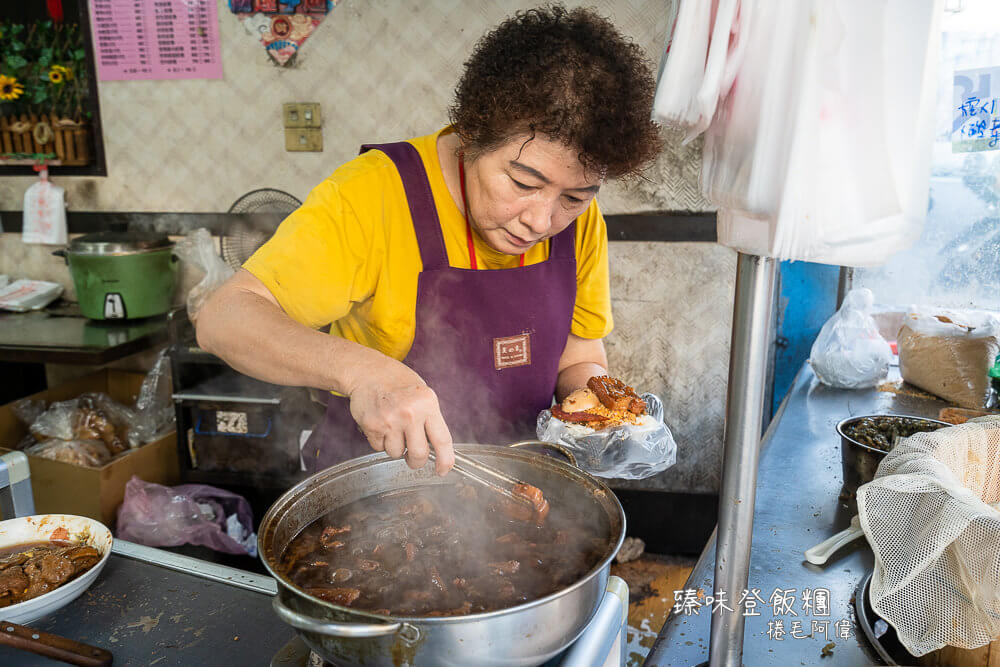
(850, 420)
(119, 253)
(271, 516)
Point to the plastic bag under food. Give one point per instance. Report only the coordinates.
(88, 453)
(162, 516)
(27, 410)
(25, 442)
(154, 407)
(849, 352)
(56, 422)
(622, 452)
(92, 416)
(949, 353)
(198, 248)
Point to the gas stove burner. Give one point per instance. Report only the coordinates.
(296, 654)
(879, 634)
(315, 661)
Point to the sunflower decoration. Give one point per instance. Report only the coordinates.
(56, 76)
(67, 73)
(10, 88)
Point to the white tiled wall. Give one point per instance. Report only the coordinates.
(384, 71)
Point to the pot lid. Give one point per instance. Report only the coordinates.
(119, 243)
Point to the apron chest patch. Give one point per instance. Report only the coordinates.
(512, 351)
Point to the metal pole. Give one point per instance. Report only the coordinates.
(744, 409)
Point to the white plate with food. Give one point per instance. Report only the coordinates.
(47, 561)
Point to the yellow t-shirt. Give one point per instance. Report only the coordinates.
(349, 256)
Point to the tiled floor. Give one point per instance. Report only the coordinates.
(652, 581)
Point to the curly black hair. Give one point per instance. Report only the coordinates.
(567, 74)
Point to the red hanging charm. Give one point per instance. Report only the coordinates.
(55, 8)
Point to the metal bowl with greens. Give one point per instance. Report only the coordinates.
(883, 431)
(865, 440)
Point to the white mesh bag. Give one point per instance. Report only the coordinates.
(928, 517)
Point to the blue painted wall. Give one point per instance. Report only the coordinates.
(806, 300)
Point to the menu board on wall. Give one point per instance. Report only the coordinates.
(156, 39)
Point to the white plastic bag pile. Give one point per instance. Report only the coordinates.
(930, 520)
(23, 295)
(818, 120)
(849, 351)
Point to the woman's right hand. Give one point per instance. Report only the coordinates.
(399, 414)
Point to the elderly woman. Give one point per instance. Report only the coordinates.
(463, 274)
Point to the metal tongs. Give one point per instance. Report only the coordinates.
(489, 476)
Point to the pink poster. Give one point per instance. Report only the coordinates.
(156, 39)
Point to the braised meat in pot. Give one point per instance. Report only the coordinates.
(442, 550)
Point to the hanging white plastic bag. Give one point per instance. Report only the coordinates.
(198, 248)
(821, 151)
(849, 351)
(622, 452)
(698, 64)
(44, 212)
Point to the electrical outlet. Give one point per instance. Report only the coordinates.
(302, 114)
(303, 139)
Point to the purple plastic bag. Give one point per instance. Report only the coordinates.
(168, 516)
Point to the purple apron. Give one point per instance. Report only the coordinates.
(488, 342)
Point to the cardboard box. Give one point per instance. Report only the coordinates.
(93, 492)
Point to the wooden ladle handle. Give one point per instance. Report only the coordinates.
(53, 646)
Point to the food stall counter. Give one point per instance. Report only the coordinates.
(800, 614)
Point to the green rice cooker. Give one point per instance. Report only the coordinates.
(122, 275)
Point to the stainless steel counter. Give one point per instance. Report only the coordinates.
(797, 507)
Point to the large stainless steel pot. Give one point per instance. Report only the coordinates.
(521, 636)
